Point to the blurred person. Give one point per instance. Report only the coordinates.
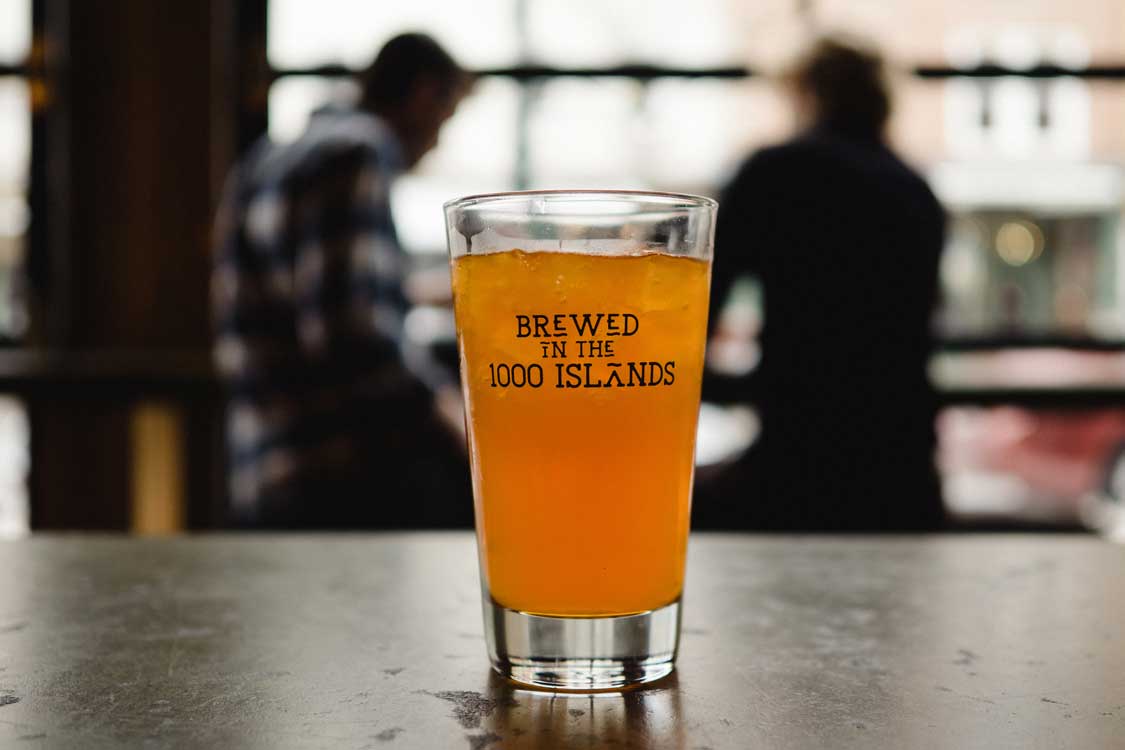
(335, 418)
(845, 240)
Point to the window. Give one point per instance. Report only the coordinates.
(581, 33)
(1029, 165)
(15, 153)
(301, 33)
(15, 158)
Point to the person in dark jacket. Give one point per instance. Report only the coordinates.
(845, 240)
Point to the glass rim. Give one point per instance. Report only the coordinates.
(666, 201)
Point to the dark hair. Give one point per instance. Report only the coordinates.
(847, 84)
(400, 64)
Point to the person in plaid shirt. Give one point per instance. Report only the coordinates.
(332, 418)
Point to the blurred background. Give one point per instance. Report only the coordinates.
(119, 121)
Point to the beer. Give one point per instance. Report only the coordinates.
(581, 319)
(582, 377)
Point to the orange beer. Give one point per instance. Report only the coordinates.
(582, 378)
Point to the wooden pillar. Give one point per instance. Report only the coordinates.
(137, 122)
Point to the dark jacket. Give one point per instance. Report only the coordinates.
(845, 240)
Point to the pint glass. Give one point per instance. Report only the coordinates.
(581, 320)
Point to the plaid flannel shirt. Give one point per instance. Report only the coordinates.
(308, 303)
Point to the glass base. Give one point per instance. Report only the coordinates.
(582, 653)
